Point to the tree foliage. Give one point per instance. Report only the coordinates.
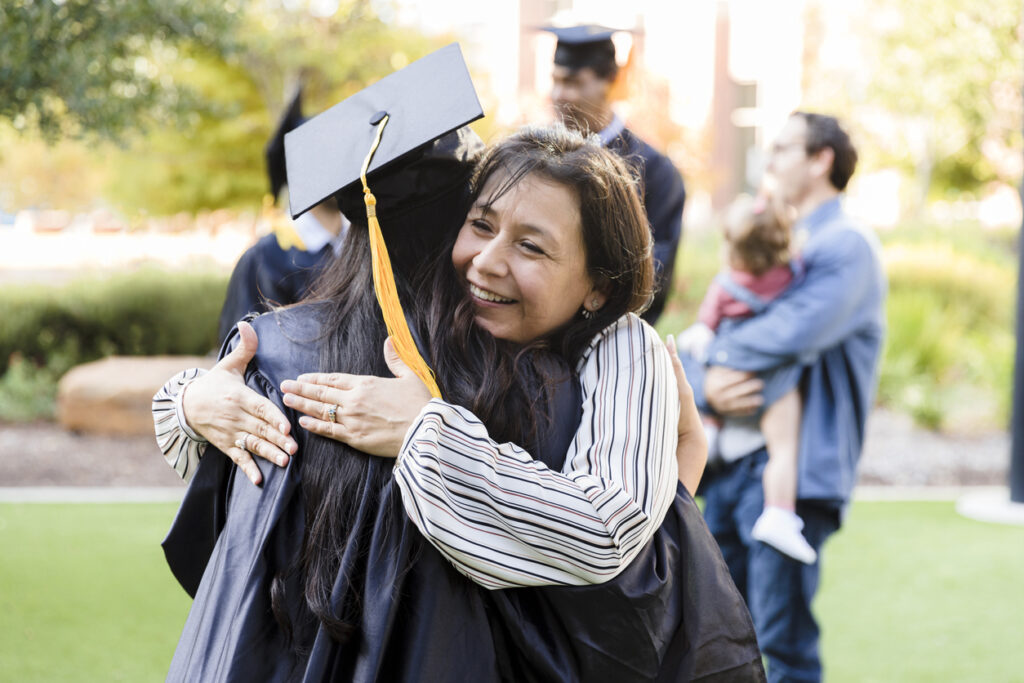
(76, 67)
(217, 160)
(214, 76)
(949, 73)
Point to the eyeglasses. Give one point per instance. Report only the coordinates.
(776, 148)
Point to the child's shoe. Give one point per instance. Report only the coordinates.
(780, 529)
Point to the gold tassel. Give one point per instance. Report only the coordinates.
(384, 284)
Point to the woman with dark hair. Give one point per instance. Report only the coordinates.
(534, 331)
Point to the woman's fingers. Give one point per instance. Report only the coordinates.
(239, 358)
(338, 380)
(244, 460)
(258, 444)
(267, 422)
(330, 430)
(313, 407)
(311, 391)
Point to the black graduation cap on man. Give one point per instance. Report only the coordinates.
(291, 119)
(587, 46)
(398, 149)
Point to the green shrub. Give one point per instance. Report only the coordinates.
(27, 391)
(146, 312)
(47, 330)
(949, 347)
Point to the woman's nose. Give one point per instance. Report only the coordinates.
(490, 260)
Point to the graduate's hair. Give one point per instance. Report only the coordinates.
(339, 484)
(616, 237)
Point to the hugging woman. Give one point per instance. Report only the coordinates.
(600, 565)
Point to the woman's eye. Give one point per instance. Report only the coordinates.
(532, 248)
(480, 224)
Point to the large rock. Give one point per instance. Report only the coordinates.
(114, 395)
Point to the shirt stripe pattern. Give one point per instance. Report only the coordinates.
(182, 448)
(506, 520)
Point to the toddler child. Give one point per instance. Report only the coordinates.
(758, 269)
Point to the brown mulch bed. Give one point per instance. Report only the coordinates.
(44, 454)
(896, 453)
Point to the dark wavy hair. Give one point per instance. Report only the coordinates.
(496, 380)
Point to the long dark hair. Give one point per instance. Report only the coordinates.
(494, 379)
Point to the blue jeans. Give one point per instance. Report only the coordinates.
(778, 590)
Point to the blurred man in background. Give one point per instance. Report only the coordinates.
(584, 73)
(833, 322)
(280, 268)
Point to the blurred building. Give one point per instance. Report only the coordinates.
(709, 82)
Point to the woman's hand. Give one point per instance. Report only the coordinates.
(220, 408)
(371, 414)
(692, 444)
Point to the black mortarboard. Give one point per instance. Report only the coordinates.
(585, 46)
(291, 118)
(424, 101)
(401, 150)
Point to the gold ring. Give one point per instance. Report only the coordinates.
(332, 413)
(241, 443)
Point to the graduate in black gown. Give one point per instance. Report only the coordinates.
(279, 269)
(583, 77)
(391, 607)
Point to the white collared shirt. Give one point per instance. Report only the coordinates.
(315, 236)
(612, 130)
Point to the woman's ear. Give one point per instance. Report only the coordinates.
(597, 297)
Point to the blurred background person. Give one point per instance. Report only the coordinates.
(281, 266)
(583, 76)
(832, 321)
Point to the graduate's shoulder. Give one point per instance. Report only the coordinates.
(290, 339)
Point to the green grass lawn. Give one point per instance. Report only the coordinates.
(910, 592)
(85, 594)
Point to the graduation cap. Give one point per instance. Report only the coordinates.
(291, 118)
(404, 135)
(424, 101)
(589, 45)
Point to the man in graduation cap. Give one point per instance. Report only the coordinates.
(584, 73)
(281, 266)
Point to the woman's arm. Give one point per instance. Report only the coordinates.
(221, 410)
(692, 442)
(504, 519)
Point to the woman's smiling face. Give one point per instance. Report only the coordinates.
(523, 261)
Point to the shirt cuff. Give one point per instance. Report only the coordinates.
(179, 410)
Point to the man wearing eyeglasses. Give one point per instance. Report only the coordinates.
(832, 321)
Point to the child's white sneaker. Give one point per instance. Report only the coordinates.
(780, 529)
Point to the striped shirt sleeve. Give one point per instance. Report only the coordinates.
(182, 447)
(504, 519)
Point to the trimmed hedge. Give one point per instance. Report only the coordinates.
(144, 312)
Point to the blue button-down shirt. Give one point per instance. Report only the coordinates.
(834, 318)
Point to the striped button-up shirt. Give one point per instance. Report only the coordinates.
(504, 519)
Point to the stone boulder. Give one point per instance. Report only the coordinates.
(114, 395)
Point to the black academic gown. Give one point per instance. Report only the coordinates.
(672, 615)
(267, 274)
(664, 196)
